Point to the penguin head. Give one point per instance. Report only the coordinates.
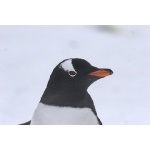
(76, 73)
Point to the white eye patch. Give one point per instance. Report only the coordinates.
(68, 67)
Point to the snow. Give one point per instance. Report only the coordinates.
(28, 55)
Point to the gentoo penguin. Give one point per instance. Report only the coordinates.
(65, 100)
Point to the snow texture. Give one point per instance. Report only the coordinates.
(28, 54)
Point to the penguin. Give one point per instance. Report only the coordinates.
(66, 100)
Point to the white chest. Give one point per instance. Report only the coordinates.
(55, 115)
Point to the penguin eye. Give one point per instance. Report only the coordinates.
(72, 73)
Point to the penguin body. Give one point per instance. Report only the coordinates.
(65, 99)
(56, 115)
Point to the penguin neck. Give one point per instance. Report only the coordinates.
(65, 89)
(72, 96)
(66, 95)
(55, 93)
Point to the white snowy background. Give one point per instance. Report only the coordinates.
(28, 55)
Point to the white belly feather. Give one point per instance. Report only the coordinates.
(55, 115)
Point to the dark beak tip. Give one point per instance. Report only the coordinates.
(111, 72)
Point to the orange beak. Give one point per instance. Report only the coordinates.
(101, 73)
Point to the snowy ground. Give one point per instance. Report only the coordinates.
(28, 55)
